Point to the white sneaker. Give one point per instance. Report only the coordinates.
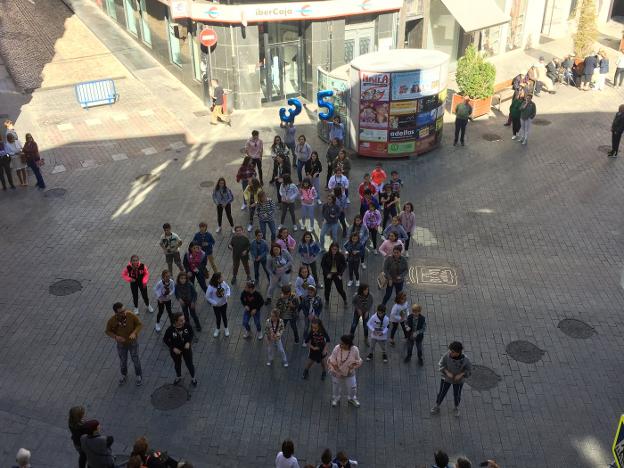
(304, 345)
(321, 286)
(136, 311)
(354, 402)
(285, 364)
(350, 283)
(218, 229)
(514, 137)
(348, 201)
(334, 402)
(363, 266)
(406, 253)
(295, 228)
(227, 331)
(216, 333)
(157, 327)
(249, 227)
(319, 202)
(357, 284)
(245, 334)
(375, 252)
(243, 206)
(233, 230)
(260, 336)
(269, 363)
(524, 142)
(150, 309)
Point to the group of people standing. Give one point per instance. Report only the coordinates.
(17, 158)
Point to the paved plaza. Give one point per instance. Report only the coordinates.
(526, 240)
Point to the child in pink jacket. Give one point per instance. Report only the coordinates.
(137, 274)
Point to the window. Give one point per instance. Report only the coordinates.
(175, 52)
(358, 41)
(198, 60)
(110, 9)
(145, 30)
(131, 23)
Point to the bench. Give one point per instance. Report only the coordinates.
(96, 93)
(502, 92)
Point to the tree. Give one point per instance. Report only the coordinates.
(586, 31)
(474, 76)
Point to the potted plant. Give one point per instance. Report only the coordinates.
(475, 79)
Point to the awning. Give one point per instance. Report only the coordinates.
(473, 15)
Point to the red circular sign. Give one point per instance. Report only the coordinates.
(208, 37)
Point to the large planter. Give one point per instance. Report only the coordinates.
(479, 106)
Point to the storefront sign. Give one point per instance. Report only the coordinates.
(402, 134)
(374, 86)
(259, 13)
(367, 134)
(373, 114)
(400, 148)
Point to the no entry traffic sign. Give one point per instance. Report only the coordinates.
(208, 37)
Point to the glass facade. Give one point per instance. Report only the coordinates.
(146, 34)
(443, 31)
(131, 22)
(175, 54)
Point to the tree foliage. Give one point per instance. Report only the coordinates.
(586, 30)
(475, 77)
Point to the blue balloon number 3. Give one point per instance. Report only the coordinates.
(320, 100)
(290, 114)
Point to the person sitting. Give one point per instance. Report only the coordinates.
(566, 67)
(552, 70)
(546, 83)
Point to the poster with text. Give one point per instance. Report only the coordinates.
(425, 118)
(374, 86)
(403, 121)
(369, 134)
(403, 107)
(374, 114)
(378, 149)
(405, 147)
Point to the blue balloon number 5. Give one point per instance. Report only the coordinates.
(290, 114)
(320, 100)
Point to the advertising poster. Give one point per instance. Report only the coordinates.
(439, 123)
(406, 85)
(403, 121)
(430, 81)
(428, 103)
(403, 107)
(402, 148)
(425, 118)
(374, 86)
(425, 144)
(402, 134)
(440, 111)
(367, 148)
(374, 114)
(368, 134)
(425, 131)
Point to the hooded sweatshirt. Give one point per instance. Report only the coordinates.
(454, 366)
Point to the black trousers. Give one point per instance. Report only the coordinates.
(187, 355)
(228, 212)
(161, 309)
(515, 125)
(221, 314)
(5, 168)
(444, 387)
(395, 327)
(615, 141)
(135, 287)
(258, 164)
(460, 129)
(619, 73)
(333, 278)
(410, 346)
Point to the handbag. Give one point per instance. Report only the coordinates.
(382, 281)
(40, 162)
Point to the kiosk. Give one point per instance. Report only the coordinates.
(397, 102)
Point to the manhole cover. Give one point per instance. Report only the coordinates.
(145, 178)
(524, 351)
(604, 149)
(206, 183)
(65, 287)
(169, 397)
(576, 328)
(542, 122)
(492, 137)
(55, 193)
(483, 378)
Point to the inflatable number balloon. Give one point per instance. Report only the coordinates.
(320, 100)
(288, 115)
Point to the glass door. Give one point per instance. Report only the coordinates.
(281, 72)
(145, 30)
(110, 9)
(131, 22)
(358, 42)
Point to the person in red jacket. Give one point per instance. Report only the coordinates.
(137, 274)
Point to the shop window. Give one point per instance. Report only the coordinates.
(516, 28)
(198, 60)
(358, 41)
(131, 22)
(175, 51)
(145, 30)
(443, 31)
(110, 9)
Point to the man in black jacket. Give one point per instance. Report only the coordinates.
(617, 127)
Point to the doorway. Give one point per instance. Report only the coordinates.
(146, 34)
(131, 22)
(281, 71)
(414, 34)
(110, 9)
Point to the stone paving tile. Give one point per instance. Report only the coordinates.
(535, 231)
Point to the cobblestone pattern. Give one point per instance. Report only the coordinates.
(536, 233)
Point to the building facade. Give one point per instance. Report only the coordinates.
(265, 52)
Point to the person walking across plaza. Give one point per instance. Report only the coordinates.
(207, 242)
(463, 113)
(279, 263)
(137, 274)
(187, 297)
(303, 152)
(273, 329)
(342, 363)
(378, 328)
(18, 160)
(124, 328)
(290, 140)
(308, 196)
(245, 174)
(239, 245)
(223, 197)
(286, 458)
(617, 127)
(165, 292)
(330, 157)
(97, 447)
(333, 265)
(362, 307)
(358, 227)
(252, 302)
(5, 166)
(455, 367)
(250, 195)
(259, 249)
(217, 115)
(217, 296)
(603, 68)
(395, 268)
(527, 114)
(416, 325)
(33, 160)
(317, 341)
(353, 249)
(281, 167)
(407, 219)
(515, 110)
(372, 221)
(178, 338)
(254, 148)
(77, 428)
(170, 243)
(589, 65)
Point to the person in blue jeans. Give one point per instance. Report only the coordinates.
(259, 250)
(31, 152)
(331, 216)
(395, 268)
(265, 209)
